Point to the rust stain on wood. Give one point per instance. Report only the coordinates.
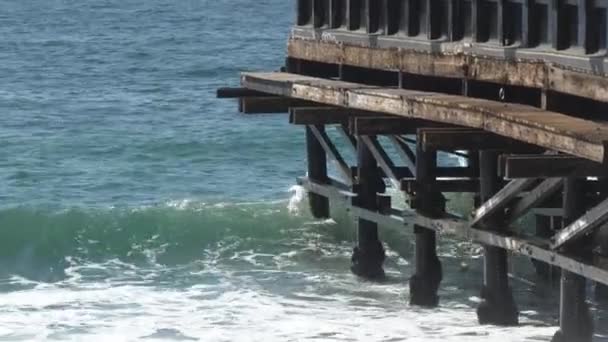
(533, 74)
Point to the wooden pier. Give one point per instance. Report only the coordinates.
(517, 88)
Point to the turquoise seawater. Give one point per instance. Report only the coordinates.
(136, 206)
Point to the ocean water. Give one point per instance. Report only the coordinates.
(135, 206)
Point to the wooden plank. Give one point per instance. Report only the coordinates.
(444, 185)
(549, 166)
(333, 153)
(384, 161)
(452, 139)
(319, 115)
(332, 190)
(269, 105)
(385, 125)
(379, 125)
(592, 219)
(468, 65)
(351, 142)
(231, 93)
(535, 197)
(405, 152)
(451, 225)
(559, 132)
(501, 199)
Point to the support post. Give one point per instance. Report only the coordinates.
(428, 202)
(317, 171)
(368, 255)
(575, 322)
(544, 230)
(498, 306)
(600, 255)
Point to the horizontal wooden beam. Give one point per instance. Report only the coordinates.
(409, 185)
(549, 166)
(333, 189)
(528, 124)
(231, 93)
(592, 219)
(381, 125)
(319, 115)
(452, 139)
(534, 248)
(268, 105)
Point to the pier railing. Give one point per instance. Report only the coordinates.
(571, 32)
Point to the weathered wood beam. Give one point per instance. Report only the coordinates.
(527, 246)
(231, 93)
(321, 115)
(335, 189)
(382, 125)
(384, 161)
(332, 152)
(501, 199)
(268, 105)
(550, 130)
(409, 185)
(456, 138)
(405, 153)
(583, 225)
(535, 197)
(351, 141)
(549, 166)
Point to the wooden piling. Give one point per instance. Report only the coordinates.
(368, 255)
(544, 230)
(498, 306)
(317, 171)
(427, 201)
(575, 322)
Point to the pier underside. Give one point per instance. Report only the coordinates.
(532, 132)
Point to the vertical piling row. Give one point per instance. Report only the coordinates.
(429, 202)
(575, 321)
(317, 171)
(497, 306)
(368, 255)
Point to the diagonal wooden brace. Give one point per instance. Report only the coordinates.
(592, 219)
(501, 199)
(333, 153)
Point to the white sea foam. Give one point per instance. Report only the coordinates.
(298, 195)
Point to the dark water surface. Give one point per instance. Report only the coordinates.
(136, 206)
